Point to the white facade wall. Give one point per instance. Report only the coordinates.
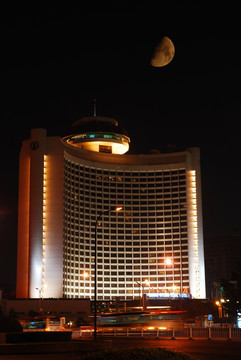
(37, 149)
(52, 269)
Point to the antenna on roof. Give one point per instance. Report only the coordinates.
(94, 101)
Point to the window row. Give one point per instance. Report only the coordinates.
(76, 168)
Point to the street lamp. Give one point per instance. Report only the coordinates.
(40, 298)
(147, 283)
(119, 208)
(142, 284)
(168, 261)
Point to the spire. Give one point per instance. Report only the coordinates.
(94, 103)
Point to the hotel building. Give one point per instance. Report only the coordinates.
(69, 189)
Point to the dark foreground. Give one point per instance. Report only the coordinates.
(197, 349)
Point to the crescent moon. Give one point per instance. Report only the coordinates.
(164, 53)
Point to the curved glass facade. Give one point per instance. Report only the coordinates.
(132, 245)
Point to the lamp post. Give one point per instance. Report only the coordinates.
(95, 296)
(142, 285)
(40, 298)
(146, 282)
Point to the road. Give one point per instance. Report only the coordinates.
(197, 349)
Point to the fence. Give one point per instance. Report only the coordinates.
(228, 333)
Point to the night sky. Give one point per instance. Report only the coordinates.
(54, 62)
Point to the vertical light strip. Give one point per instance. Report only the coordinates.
(44, 220)
(194, 230)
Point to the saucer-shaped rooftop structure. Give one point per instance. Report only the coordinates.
(99, 134)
